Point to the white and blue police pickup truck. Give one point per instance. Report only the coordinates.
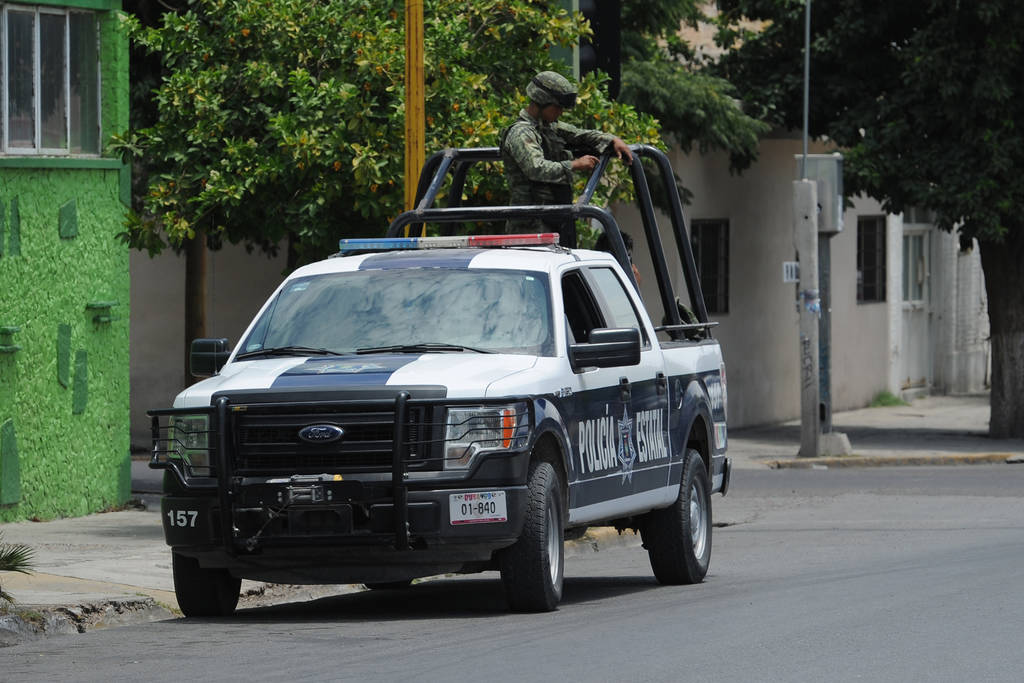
(419, 406)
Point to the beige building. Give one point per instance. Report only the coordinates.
(908, 308)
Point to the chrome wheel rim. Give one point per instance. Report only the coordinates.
(698, 521)
(554, 543)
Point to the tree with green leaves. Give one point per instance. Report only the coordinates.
(284, 118)
(663, 76)
(282, 121)
(924, 100)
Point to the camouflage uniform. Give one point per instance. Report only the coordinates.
(538, 158)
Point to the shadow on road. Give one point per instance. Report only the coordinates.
(894, 437)
(431, 600)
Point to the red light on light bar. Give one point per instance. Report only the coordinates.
(538, 239)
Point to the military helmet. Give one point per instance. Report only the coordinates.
(549, 87)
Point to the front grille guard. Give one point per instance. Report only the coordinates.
(176, 448)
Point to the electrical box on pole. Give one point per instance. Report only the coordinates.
(826, 170)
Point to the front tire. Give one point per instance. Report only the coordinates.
(678, 538)
(203, 592)
(532, 569)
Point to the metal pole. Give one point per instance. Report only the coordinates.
(805, 237)
(415, 114)
(825, 329)
(807, 83)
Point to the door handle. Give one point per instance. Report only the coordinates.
(625, 392)
(662, 382)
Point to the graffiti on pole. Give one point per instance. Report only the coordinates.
(806, 361)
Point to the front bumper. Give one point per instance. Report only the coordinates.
(330, 542)
(196, 521)
(335, 526)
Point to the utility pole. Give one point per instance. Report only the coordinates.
(805, 239)
(825, 329)
(415, 114)
(814, 300)
(830, 223)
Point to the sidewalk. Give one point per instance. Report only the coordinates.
(114, 568)
(933, 430)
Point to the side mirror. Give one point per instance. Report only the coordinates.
(208, 356)
(607, 348)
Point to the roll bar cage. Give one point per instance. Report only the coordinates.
(458, 161)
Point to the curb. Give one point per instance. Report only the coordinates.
(894, 461)
(24, 621)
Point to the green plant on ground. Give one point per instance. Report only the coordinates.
(885, 399)
(14, 557)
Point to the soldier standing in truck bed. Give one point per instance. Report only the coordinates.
(537, 151)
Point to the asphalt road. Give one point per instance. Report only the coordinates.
(881, 575)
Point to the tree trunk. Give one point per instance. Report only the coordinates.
(292, 257)
(1002, 263)
(195, 295)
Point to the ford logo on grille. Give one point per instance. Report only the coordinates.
(321, 433)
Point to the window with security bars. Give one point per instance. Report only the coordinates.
(710, 242)
(49, 63)
(870, 259)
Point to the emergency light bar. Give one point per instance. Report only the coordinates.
(454, 242)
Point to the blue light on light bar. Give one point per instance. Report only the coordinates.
(378, 244)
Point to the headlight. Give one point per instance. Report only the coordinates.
(188, 438)
(476, 429)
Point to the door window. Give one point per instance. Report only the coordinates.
(581, 312)
(618, 306)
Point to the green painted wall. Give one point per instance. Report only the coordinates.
(65, 390)
(64, 305)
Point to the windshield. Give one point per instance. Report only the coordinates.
(501, 311)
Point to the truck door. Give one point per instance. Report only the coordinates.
(619, 425)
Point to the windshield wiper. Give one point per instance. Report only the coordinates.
(287, 351)
(425, 347)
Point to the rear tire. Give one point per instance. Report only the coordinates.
(532, 569)
(203, 592)
(678, 538)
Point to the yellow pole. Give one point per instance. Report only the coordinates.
(415, 113)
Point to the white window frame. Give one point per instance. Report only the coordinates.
(38, 149)
(913, 270)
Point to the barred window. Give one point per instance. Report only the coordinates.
(51, 81)
(710, 241)
(870, 259)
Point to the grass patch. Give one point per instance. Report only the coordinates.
(885, 399)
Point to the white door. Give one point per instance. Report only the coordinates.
(916, 371)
